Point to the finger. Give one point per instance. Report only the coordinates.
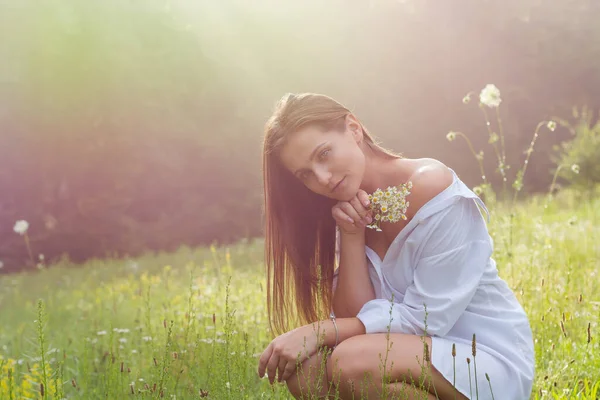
(363, 197)
(264, 358)
(272, 366)
(359, 208)
(352, 213)
(283, 362)
(341, 217)
(290, 368)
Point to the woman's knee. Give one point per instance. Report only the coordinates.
(347, 362)
(310, 378)
(363, 361)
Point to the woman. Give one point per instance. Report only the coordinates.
(406, 300)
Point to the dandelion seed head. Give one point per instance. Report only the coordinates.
(21, 227)
(490, 96)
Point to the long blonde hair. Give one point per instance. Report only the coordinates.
(299, 228)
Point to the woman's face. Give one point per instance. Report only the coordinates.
(328, 163)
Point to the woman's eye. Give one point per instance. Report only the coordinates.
(324, 153)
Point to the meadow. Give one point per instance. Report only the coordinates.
(191, 324)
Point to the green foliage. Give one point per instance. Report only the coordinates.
(579, 157)
(194, 321)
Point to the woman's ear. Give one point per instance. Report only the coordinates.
(355, 128)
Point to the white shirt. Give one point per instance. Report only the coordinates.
(442, 259)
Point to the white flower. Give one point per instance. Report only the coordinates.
(575, 168)
(490, 96)
(467, 99)
(451, 136)
(146, 338)
(551, 125)
(100, 333)
(21, 226)
(393, 208)
(123, 340)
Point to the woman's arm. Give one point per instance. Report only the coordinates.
(347, 327)
(354, 286)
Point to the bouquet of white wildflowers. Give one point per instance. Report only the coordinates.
(389, 205)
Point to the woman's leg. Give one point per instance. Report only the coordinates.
(310, 379)
(357, 368)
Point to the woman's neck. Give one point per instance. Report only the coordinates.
(384, 171)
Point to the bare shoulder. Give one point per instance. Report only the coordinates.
(429, 178)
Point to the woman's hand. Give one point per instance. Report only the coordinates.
(287, 351)
(354, 215)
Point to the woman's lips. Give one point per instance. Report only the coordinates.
(338, 184)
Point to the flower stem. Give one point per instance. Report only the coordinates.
(501, 129)
(475, 155)
(554, 180)
(501, 164)
(526, 162)
(26, 237)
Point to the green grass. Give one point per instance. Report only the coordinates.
(116, 329)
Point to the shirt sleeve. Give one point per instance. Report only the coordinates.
(456, 249)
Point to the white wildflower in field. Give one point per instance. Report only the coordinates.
(490, 96)
(451, 136)
(147, 338)
(551, 125)
(21, 227)
(101, 333)
(575, 168)
(123, 340)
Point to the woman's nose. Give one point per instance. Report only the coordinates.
(323, 176)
